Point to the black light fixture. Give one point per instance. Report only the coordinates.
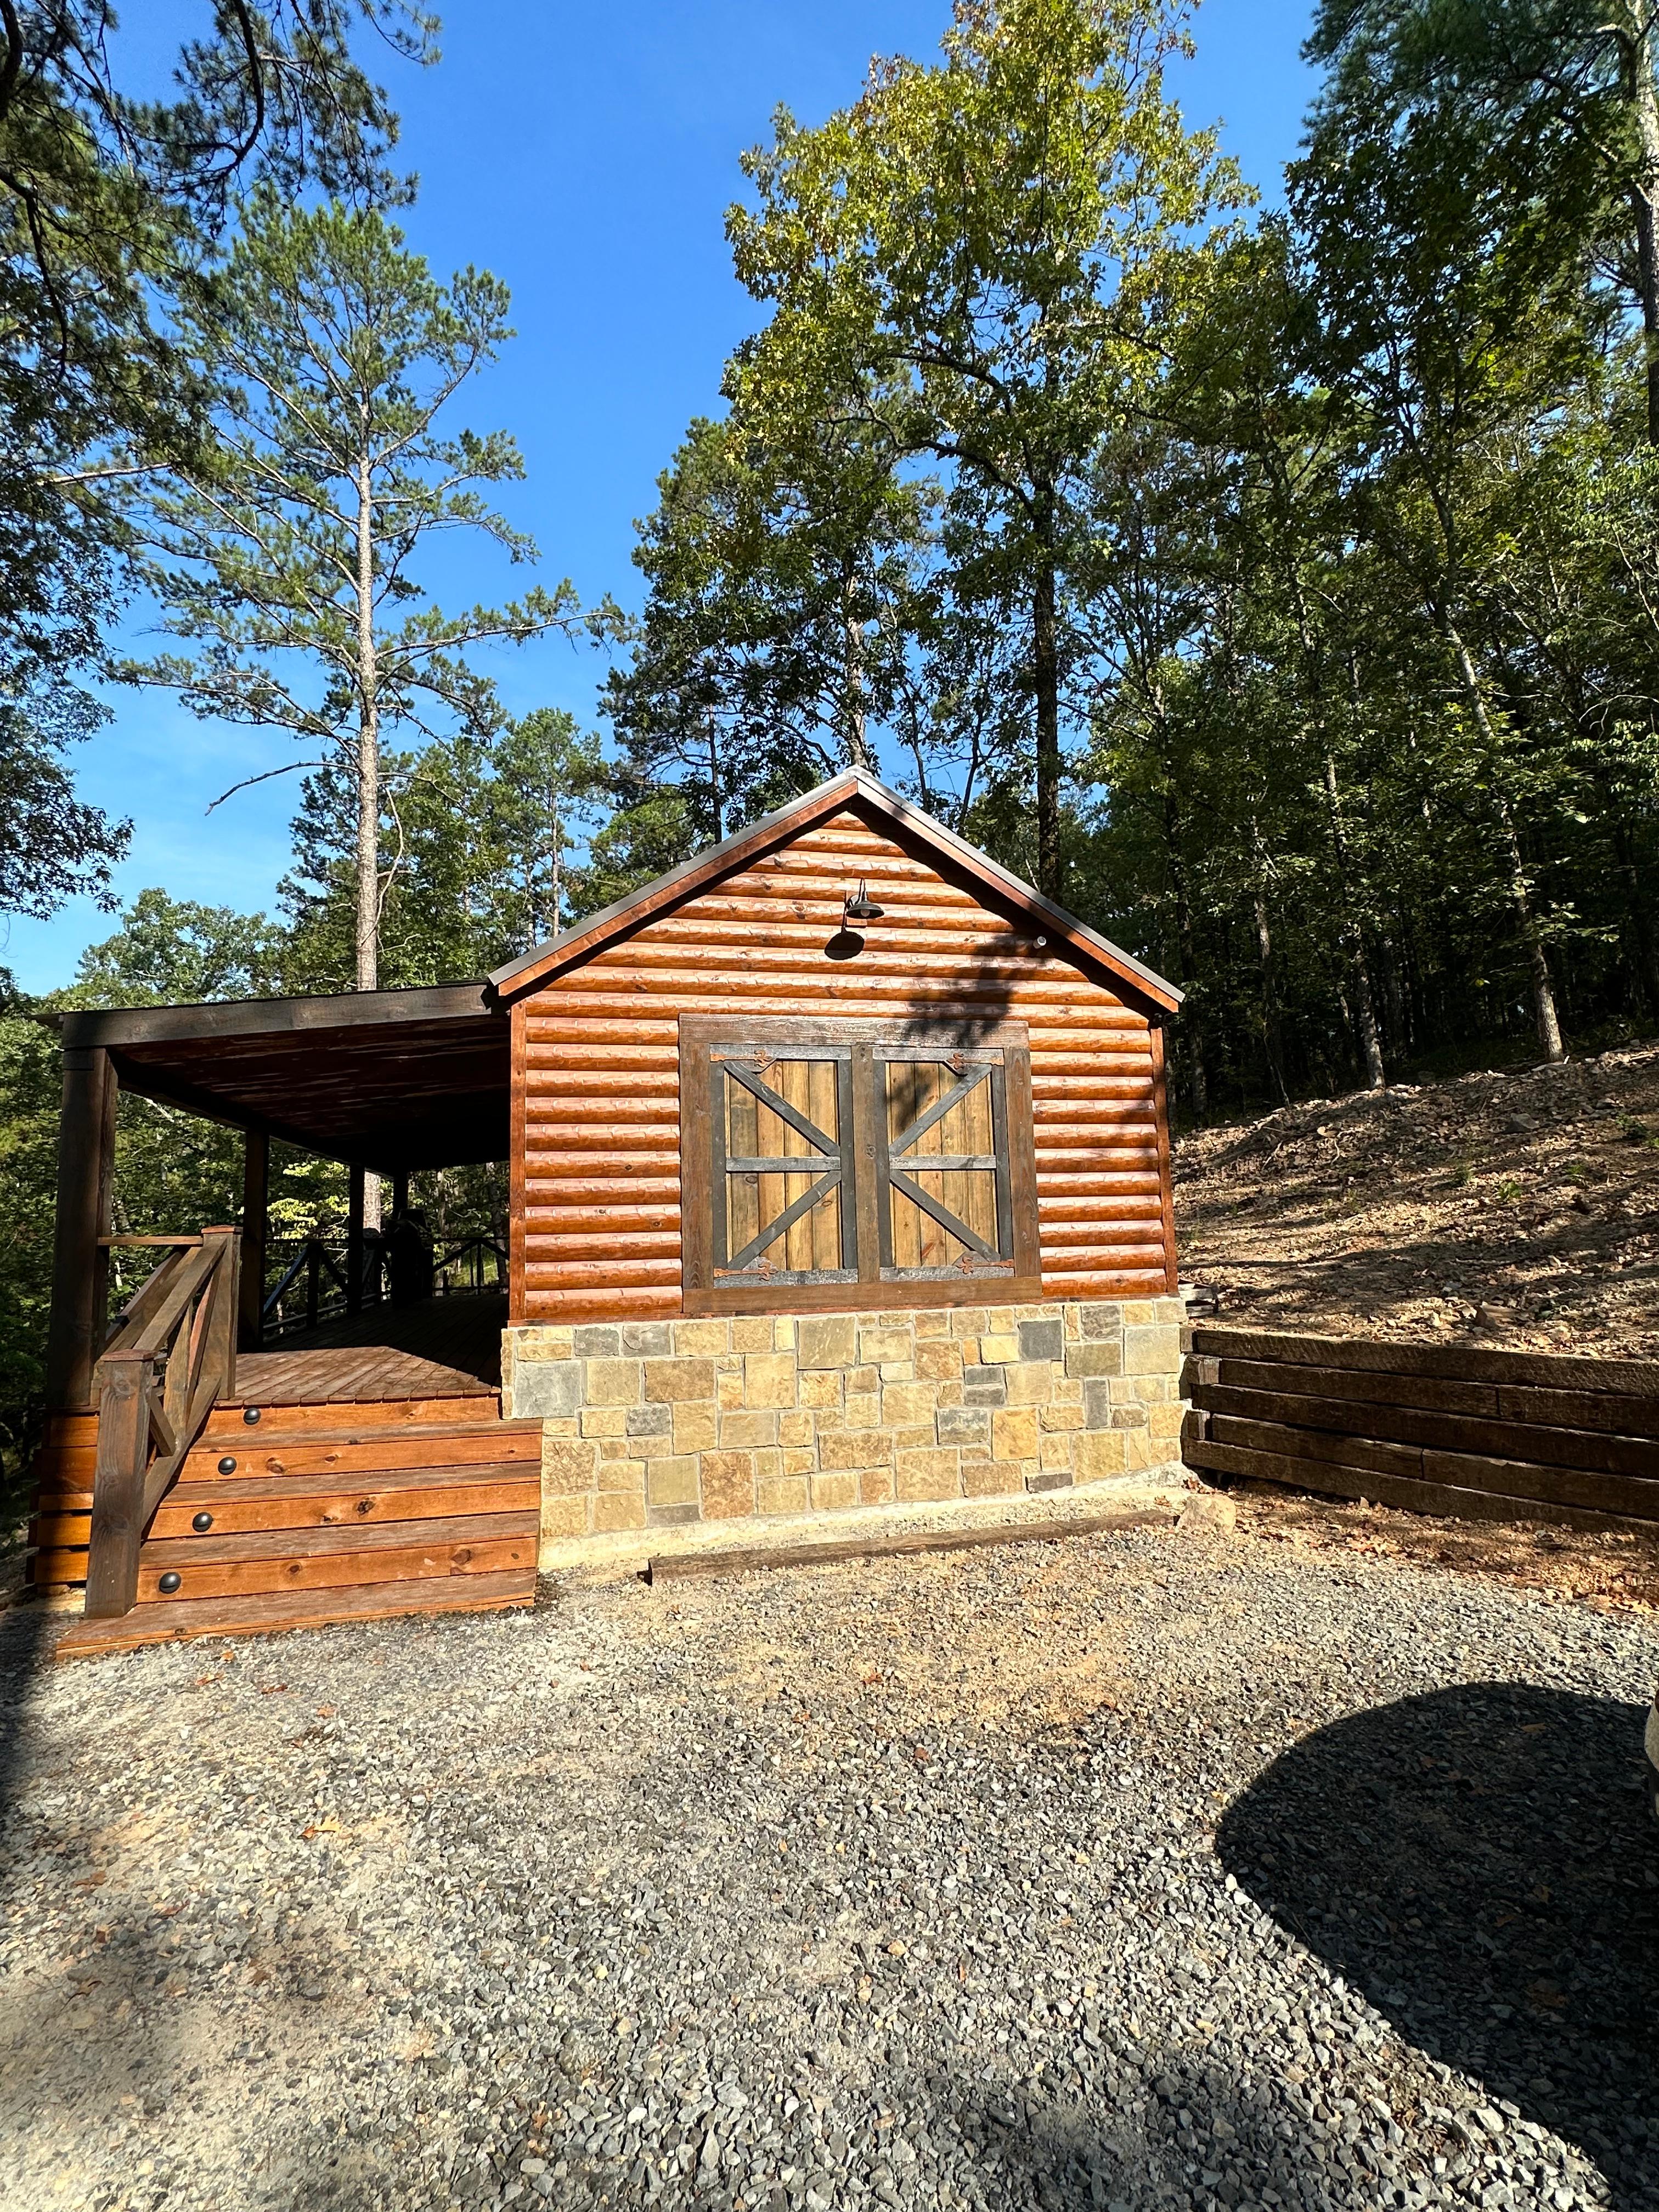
(861, 908)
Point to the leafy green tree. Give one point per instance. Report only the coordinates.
(172, 1169)
(53, 844)
(290, 554)
(993, 244)
(551, 790)
(1452, 354)
(1561, 97)
(106, 202)
(176, 952)
(783, 571)
(31, 1092)
(655, 826)
(476, 838)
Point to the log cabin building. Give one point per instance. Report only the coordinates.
(840, 1182)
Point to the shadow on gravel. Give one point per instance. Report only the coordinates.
(24, 1650)
(1480, 1862)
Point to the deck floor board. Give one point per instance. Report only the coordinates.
(443, 1348)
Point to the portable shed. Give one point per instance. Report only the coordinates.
(841, 1177)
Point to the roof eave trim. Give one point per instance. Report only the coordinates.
(665, 890)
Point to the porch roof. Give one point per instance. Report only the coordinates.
(386, 1080)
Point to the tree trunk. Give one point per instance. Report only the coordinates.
(1371, 1042)
(1045, 686)
(368, 748)
(1647, 959)
(1270, 1021)
(1645, 191)
(553, 920)
(368, 780)
(1532, 937)
(714, 781)
(858, 750)
(1191, 1032)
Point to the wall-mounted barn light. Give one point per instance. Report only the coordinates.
(861, 908)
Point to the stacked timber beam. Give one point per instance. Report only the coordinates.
(1443, 1429)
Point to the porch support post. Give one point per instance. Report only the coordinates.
(80, 1266)
(355, 1240)
(256, 1190)
(399, 1193)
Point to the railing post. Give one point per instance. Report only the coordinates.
(354, 1267)
(86, 1152)
(256, 1185)
(313, 1279)
(224, 1314)
(118, 1491)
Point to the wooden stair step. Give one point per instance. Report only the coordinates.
(298, 1502)
(67, 1472)
(322, 1501)
(327, 1482)
(279, 1457)
(270, 1614)
(269, 1561)
(361, 1412)
(219, 1549)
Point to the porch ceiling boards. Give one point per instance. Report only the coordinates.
(387, 1080)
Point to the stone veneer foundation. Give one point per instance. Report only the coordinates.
(651, 1425)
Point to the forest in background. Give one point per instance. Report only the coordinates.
(1278, 589)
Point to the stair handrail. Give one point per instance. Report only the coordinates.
(143, 1300)
(177, 1331)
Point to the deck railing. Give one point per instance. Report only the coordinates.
(312, 1284)
(307, 1279)
(170, 1357)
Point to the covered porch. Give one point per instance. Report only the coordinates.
(356, 1465)
(385, 1082)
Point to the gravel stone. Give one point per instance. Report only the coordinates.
(1148, 1870)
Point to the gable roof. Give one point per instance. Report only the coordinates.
(853, 788)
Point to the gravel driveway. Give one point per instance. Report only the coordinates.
(1148, 1870)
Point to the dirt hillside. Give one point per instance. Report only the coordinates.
(1520, 1207)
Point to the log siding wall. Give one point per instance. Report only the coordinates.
(596, 1222)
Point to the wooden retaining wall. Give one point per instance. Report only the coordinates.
(1443, 1429)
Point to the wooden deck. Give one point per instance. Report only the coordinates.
(443, 1348)
(360, 1470)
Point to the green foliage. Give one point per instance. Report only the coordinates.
(783, 582)
(53, 845)
(31, 1084)
(985, 259)
(654, 829)
(1289, 593)
(476, 838)
(107, 205)
(172, 1169)
(175, 952)
(288, 555)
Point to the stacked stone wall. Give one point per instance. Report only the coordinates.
(657, 1425)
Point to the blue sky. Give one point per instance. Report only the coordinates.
(586, 156)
